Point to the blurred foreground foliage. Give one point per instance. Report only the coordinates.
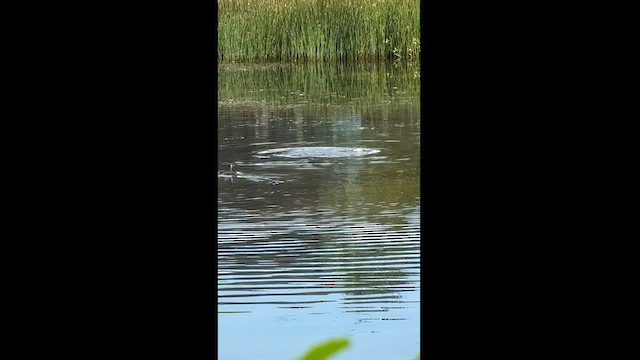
(327, 349)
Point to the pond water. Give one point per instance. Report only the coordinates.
(310, 246)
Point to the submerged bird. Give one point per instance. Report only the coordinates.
(231, 173)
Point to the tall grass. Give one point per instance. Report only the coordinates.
(318, 30)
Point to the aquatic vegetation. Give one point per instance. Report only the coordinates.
(318, 30)
(329, 348)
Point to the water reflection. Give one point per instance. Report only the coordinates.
(288, 86)
(328, 243)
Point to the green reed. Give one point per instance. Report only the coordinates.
(318, 30)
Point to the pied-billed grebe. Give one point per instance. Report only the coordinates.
(231, 173)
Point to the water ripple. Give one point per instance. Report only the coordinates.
(307, 262)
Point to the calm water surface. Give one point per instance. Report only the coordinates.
(309, 247)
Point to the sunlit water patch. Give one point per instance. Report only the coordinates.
(319, 152)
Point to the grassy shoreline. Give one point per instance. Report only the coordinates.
(318, 30)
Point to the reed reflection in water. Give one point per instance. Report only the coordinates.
(312, 248)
